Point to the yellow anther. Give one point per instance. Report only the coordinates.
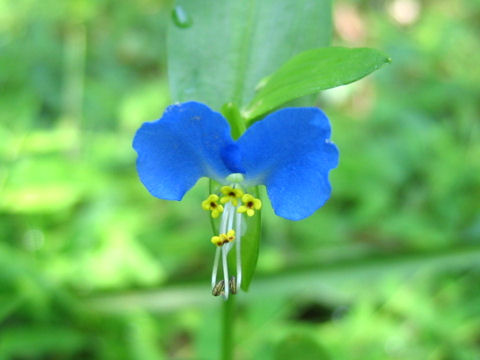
(230, 194)
(216, 240)
(211, 203)
(250, 204)
(230, 235)
(223, 238)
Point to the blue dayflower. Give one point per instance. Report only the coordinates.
(289, 152)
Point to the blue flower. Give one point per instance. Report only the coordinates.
(289, 152)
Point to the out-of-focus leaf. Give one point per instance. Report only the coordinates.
(143, 333)
(9, 305)
(338, 282)
(300, 347)
(39, 340)
(312, 71)
(225, 47)
(43, 184)
(51, 197)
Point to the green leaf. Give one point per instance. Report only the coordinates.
(300, 346)
(219, 50)
(250, 245)
(312, 71)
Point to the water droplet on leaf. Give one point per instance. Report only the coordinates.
(181, 18)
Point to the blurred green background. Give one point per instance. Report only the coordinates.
(93, 267)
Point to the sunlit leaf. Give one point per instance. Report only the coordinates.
(312, 71)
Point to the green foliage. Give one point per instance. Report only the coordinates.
(299, 347)
(311, 71)
(388, 269)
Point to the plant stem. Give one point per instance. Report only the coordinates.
(228, 320)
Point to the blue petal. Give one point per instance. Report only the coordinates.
(290, 153)
(232, 158)
(184, 145)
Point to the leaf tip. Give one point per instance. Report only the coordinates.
(245, 287)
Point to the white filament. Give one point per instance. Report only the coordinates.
(225, 216)
(238, 239)
(225, 271)
(231, 216)
(230, 219)
(215, 267)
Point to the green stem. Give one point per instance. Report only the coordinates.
(228, 321)
(237, 123)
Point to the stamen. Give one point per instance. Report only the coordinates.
(219, 289)
(233, 285)
(250, 204)
(231, 215)
(231, 228)
(211, 204)
(238, 250)
(223, 222)
(215, 267)
(231, 194)
(225, 269)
